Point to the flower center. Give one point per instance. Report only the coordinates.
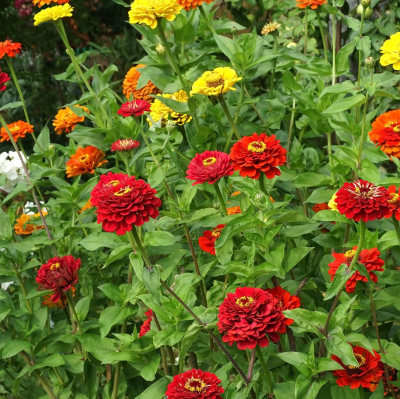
(281, 304)
(123, 191)
(195, 385)
(55, 266)
(397, 128)
(216, 232)
(365, 192)
(244, 301)
(349, 254)
(393, 198)
(361, 361)
(112, 183)
(209, 161)
(83, 158)
(14, 129)
(214, 80)
(67, 116)
(257, 146)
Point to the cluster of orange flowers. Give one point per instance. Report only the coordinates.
(23, 227)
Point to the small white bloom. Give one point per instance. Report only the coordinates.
(11, 167)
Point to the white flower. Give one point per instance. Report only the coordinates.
(30, 208)
(11, 167)
(4, 286)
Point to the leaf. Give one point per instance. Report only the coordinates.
(43, 140)
(82, 308)
(90, 384)
(308, 320)
(338, 88)
(54, 360)
(15, 104)
(111, 316)
(344, 104)
(6, 232)
(310, 179)
(112, 292)
(185, 35)
(343, 273)
(137, 264)
(4, 312)
(149, 371)
(359, 340)
(296, 359)
(290, 82)
(155, 391)
(330, 216)
(227, 46)
(151, 280)
(167, 337)
(337, 344)
(199, 214)
(293, 257)
(325, 364)
(379, 391)
(122, 3)
(15, 346)
(176, 106)
(159, 239)
(118, 253)
(307, 388)
(190, 336)
(100, 240)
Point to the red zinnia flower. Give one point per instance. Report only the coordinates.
(147, 323)
(394, 201)
(256, 153)
(123, 201)
(368, 257)
(381, 374)
(363, 200)
(59, 275)
(286, 301)
(209, 167)
(4, 78)
(135, 107)
(364, 374)
(207, 240)
(194, 384)
(9, 48)
(125, 145)
(249, 317)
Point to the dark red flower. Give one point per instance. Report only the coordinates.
(147, 323)
(363, 200)
(286, 301)
(195, 384)
(59, 275)
(368, 257)
(364, 374)
(123, 201)
(135, 108)
(382, 375)
(249, 317)
(207, 240)
(4, 78)
(394, 201)
(256, 153)
(209, 167)
(125, 145)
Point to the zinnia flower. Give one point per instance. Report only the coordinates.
(53, 14)
(207, 240)
(65, 120)
(385, 133)
(256, 153)
(123, 201)
(368, 257)
(209, 167)
(216, 82)
(59, 275)
(158, 110)
(135, 107)
(390, 52)
(85, 160)
(362, 200)
(130, 83)
(394, 201)
(233, 210)
(250, 317)
(23, 227)
(194, 384)
(332, 203)
(364, 374)
(147, 323)
(382, 375)
(17, 129)
(192, 4)
(312, 3)
(87, 206)
(125, 145)
(286, 301)
(147, 12)
(4, 78)
(269, 28)
(9, 48)
(41, 3)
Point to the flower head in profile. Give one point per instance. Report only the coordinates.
(366, 372)
(66, 120)
(23, 227)
(391, 52)
(234, 210)
(313, 4)
(53, 14)
(209, 167)
(368, 257)
(394, 201)
(148, 12)
(363, 200)
(85, 160)
(85, 207)
(4, 78)
(147, 323)
(123, 201)
(9, 48)
(207, 240)
(59, 274)
(258, 153)
(60, 304)
(250, 317)
(286, 301)
(135, 108)
(270, 28)
(17, 129)
(195, 384)
(125, 145)
(129, 86)
(192, 4)
(41, 3)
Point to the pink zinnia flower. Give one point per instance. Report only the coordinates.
(125, 145)
(135, 108)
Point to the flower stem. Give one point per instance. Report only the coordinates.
(28, 303)
(333, 46)
(329, 139)
(229, 117)
(163, 349)
(72, 306)
(271, 90)
(206, 20)
(147, 143)
(291, 126)
(322, 35)
(254, 107)
(220, 199)
(118, 368)
(264, 367)
(126, 162)
(359, 61)
(305, 30)
(251, 364)
(396, 227)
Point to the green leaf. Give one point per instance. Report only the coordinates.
(363, 44)
(199, 214)
(159, 239)
(149, 371)
(337, 344)
(344, 104)
(137, 264)
(307, 388)
(325, 364)
(15, 346)
(290, 82)
(190, 336)
(4, 312)
(343, 273)
(345, 87)
(369, 171)
(155, 391)
(100, 240)
(151, 280)
(43, 140)
(6, 231)
(167, 337)
(310, 179)
(112, 292)
(359, 340)
(118, 253)
(227, 46)
(111, 316)
(90, 384)
(15, 104)
(54, 360)
(312, 321)
(293, 257)
(122, 3)
(330, 216)
(82, 308)
(379, 391)
(296, 359)
(185, 35)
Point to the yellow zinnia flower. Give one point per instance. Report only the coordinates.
(391, 52)
(214, 83)
(332, 203)
(53, 14)
(147, 11)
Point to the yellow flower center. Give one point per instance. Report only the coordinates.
(67, 116)
(350, 254)
(216, 232)
(195, 385)
(55, 266)
(397, 128)
(361, 361)
(209, 161)
(281, 304)
(83, 158)
(122, 191)
(112, 183)
(257, 146)
(393, 198)
(14, 129)
(214, 80)
(244, 301)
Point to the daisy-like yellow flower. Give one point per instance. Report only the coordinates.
(158, 110)
(53, 14)
(332, 203)
(216, 82)
(269, 28)
(391, 52)
(148, 11)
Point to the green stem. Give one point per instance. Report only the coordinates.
(361, 392)
(359, 61)
(305, 30)
(229, 117)
(72, 306)
(362, 137)
(220, 199)
(329, 139)
(71, 237)
(396, 227)
(147, 142)
(118, 368)
(262, 183)
(206, 20)
(323, 35)
(58, 375)
(28, 303)
(264, 367)
(333, 46)
(235, 119)
(126, 162)
(291, 126)
(271, 90)
(254, 107)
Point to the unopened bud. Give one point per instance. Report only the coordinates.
(216, 205)
(365, 3)
(234, 30)
(170, 125)
(258, 197)
(50, 147)
(369, 62)
(160, 49)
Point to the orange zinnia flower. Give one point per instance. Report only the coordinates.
(23, 227)
(9, 48)
(313, 3)
(130, 83)
(17, 129)
(41, 3)
(86, 160)
(191, 4)
(233, 210)
(87, 206)
(66, 120)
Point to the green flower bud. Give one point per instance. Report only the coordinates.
(369, 63)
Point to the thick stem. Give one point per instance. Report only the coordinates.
(126, 162)
(162, 348)
(251, 364)
(359, 61)
(229, 117)
(264, 367)
(329, 139)
(271, 90)
(206, 20)
(118, 368)
(220, 199)
(333, 46)
(322, 35)
(292, 339)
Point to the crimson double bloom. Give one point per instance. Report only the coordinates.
(207, 240)
(147, 323)
(250, 317)
(123, 201)
(134, 108)
(286, 301)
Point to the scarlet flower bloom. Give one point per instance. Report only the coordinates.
(363, 200)
(192, 4)
(135, 108)
(195, 384)
(366, 372)
(256, 153)
(17, 129)
(123, 201)
(286, 301)
(4, 78)
(9, 48)
(125, 145)
(130, 83)
(314, 4)
(368, 257)
(249, 317)
(207, 240)
(321, 207)
(147, 324)
(59, 275)
(394, 201)
(85, 160)
(209, 167)
(233, 210)
(382, 375)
